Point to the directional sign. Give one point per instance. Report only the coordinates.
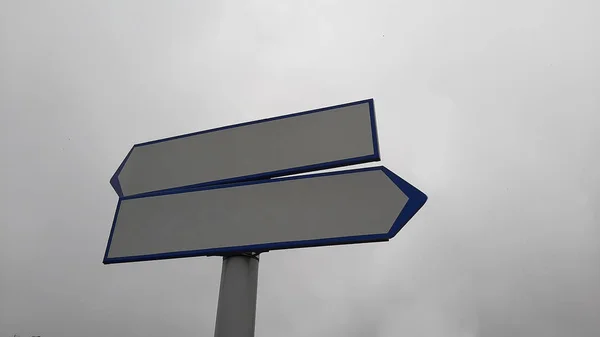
(306, 141)
(353, 206)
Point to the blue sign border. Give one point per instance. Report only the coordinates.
(416, 200)
(114, 181)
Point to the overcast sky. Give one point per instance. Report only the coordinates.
(490, 107)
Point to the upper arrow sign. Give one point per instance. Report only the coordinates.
(354, 206)
(306, 141)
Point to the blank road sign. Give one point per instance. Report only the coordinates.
(307, 141)
(353, 206)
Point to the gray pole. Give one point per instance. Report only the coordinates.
(236, 310)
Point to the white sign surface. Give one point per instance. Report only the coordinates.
(363, 205)
(307, 141)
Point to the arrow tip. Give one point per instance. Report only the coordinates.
(114, 180)
(416, 200)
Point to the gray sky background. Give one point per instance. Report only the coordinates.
(490, 107)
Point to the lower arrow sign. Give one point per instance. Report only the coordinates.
(354, 206)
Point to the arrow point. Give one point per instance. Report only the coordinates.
(416, 200)
(114, 180)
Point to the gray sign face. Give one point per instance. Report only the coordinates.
(301, 142)
(354, 206)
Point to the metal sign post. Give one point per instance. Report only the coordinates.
(236, 309)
